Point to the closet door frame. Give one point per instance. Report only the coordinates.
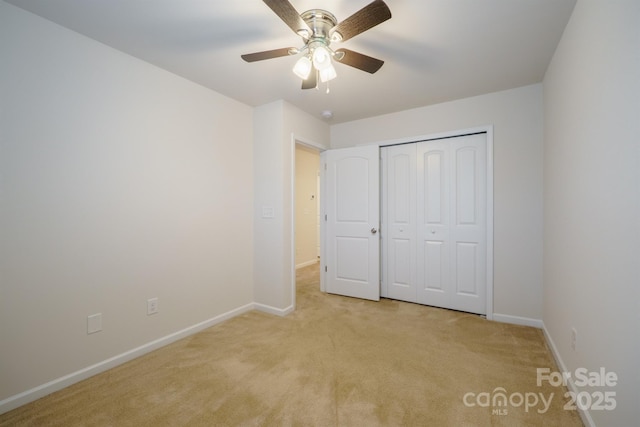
(488, 130)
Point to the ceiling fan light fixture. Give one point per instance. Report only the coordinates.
(318, 29)
(321, 58)
(302, 68)
(328, 73)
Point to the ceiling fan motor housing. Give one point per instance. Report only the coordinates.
(321, 22)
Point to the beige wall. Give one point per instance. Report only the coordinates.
(306, 211)
(516, 116)
(276, 127)
(120, 182)
(592, 199)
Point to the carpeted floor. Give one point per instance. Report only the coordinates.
(335, 361)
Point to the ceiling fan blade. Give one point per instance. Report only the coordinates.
(312, 81)
(368, 17)
(289, 15)
(268, 54)
(359, 60)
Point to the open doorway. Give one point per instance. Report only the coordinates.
(307, 207)
(307, 214)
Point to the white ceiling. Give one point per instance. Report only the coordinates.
(434, 50)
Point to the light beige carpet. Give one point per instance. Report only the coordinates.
(335, 361)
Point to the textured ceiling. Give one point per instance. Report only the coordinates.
(434, 50)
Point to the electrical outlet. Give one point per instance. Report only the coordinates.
(574, 338)
(94, 323)
(152, 306)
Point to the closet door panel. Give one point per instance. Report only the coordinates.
(433, 223)
(466, 264)
(468, 229)
(434, 254)
(399, 232)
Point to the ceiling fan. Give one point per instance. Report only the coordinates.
(318, 29)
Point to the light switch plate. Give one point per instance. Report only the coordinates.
(268, 212)
(94, 323)
(152, 306)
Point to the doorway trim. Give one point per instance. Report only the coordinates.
(292, 197)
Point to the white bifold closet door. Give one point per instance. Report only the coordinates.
(434, 223)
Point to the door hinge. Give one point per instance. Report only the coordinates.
(325, 268)
(325, 217)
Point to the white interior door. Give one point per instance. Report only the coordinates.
(352, 209)
(435, 223)
(452, 223)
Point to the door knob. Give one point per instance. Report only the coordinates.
(374, 231)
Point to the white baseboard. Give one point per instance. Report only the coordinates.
(67, 380)
(585, 416)
(272, 310)
(307, 263)
(536, 323)
(517, 320)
